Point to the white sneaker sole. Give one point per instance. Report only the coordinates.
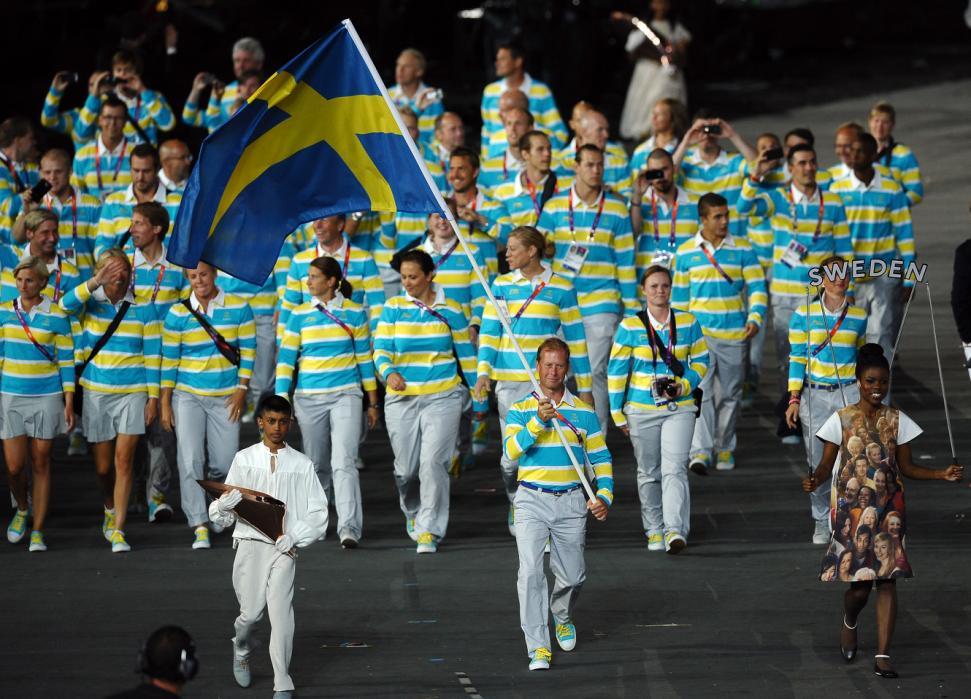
(539, 665)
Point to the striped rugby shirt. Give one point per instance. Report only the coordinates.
(63, 276)
(617, 177)
(541, 104)
(634, 361)
(723, 308)
(426, 116)
(217, 111)
(129, 362)
(902, 163)
(10, 202)
(329, 360)
(265, 299)
(149, 109)
(552, 310)
(879, 219)
(794, 219)
(414, 343)
(723, 176)
(98, 171)
(24, 369)
(542, 458)
(191, 362)
(498, 170)
(847, 339)
(655, 234)
(77, 227)
(606, 282)
(455, 276)
(67, 122)
(359, 270)
(116, 217)
(519, 205)
(159, 283)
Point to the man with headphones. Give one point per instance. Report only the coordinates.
(166, 662)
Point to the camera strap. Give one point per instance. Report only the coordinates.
(657, 347)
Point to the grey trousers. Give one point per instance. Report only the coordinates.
(824, 404)
(782, 309)
(264, 368)
(422, 430)
(331, 428)
(661, 443)
(159, 455)
(599, 329)
(204, 435)
(880, 298)
(507, 393)
(561, 520)
(756, 346)
(723, 392)
(263, 580)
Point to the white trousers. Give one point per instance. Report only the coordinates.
(330, 424)
(880, 298)
(561, 520)
(824, 404)
(263, 580)
(661, 443)
(422, 430)
(723, 392)
(264, 368)
(507, 393)
(202, 429)
(599, 329)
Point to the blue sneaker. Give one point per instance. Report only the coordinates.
(158, 509)
(17, 527)
(566, 636)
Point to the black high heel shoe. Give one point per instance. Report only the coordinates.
(886, 674)
(849, 653)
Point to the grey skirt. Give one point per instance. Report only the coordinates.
(37, 417)
(106, 415)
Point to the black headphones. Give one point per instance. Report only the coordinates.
(183, 670)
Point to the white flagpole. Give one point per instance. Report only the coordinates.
(503, 319)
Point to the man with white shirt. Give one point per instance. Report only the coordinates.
(503, 167)
(510, 68)
(176, 164)
(263, 571)
(409, 91)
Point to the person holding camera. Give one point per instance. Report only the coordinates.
(166, 663)
(67, 122)
(718, 279)
(657, 362)
(663, 216)
(18, 172)
(704, 166)
(248, 56)
(147, 111)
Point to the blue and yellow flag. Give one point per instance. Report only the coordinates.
(320, 137)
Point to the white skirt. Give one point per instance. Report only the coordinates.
(37, 417)
(649, 83)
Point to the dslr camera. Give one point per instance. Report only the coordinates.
(666, 386)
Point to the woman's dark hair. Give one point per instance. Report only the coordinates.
(331, 269)
(420, 258)
(870, 356)
(831, 561)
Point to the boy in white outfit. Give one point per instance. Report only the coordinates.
(263, 570)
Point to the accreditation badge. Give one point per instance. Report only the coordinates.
(794, 255)
(576, 255)
(662, 258)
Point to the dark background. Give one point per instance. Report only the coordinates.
(746, 56)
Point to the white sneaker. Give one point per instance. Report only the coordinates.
(202, 539)
(540, 659)
(821, 534)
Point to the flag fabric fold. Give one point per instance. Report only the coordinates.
(319, 137)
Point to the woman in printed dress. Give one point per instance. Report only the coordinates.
(885, 556)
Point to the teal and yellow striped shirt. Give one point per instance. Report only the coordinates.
(830, 362)
(543, 461)
(24, 369)
(541, 104)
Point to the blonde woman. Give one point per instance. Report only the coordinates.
(36, 392)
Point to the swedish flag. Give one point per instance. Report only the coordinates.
(320, 137)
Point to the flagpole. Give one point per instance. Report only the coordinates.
(447, 213)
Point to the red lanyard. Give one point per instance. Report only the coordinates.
(57, 281)
(711, 258)
(158, 280)
(596, 218)
(30, 336)
(674, 218)
(505, 170)
(832, 330)
(561, 418)
(347, 257)
(532, 195)
(447, 254)
(341, 323)
(667, 354)
(121, 158)
(795, 218)
(16, 176)
(522, 309)
(74, 217)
